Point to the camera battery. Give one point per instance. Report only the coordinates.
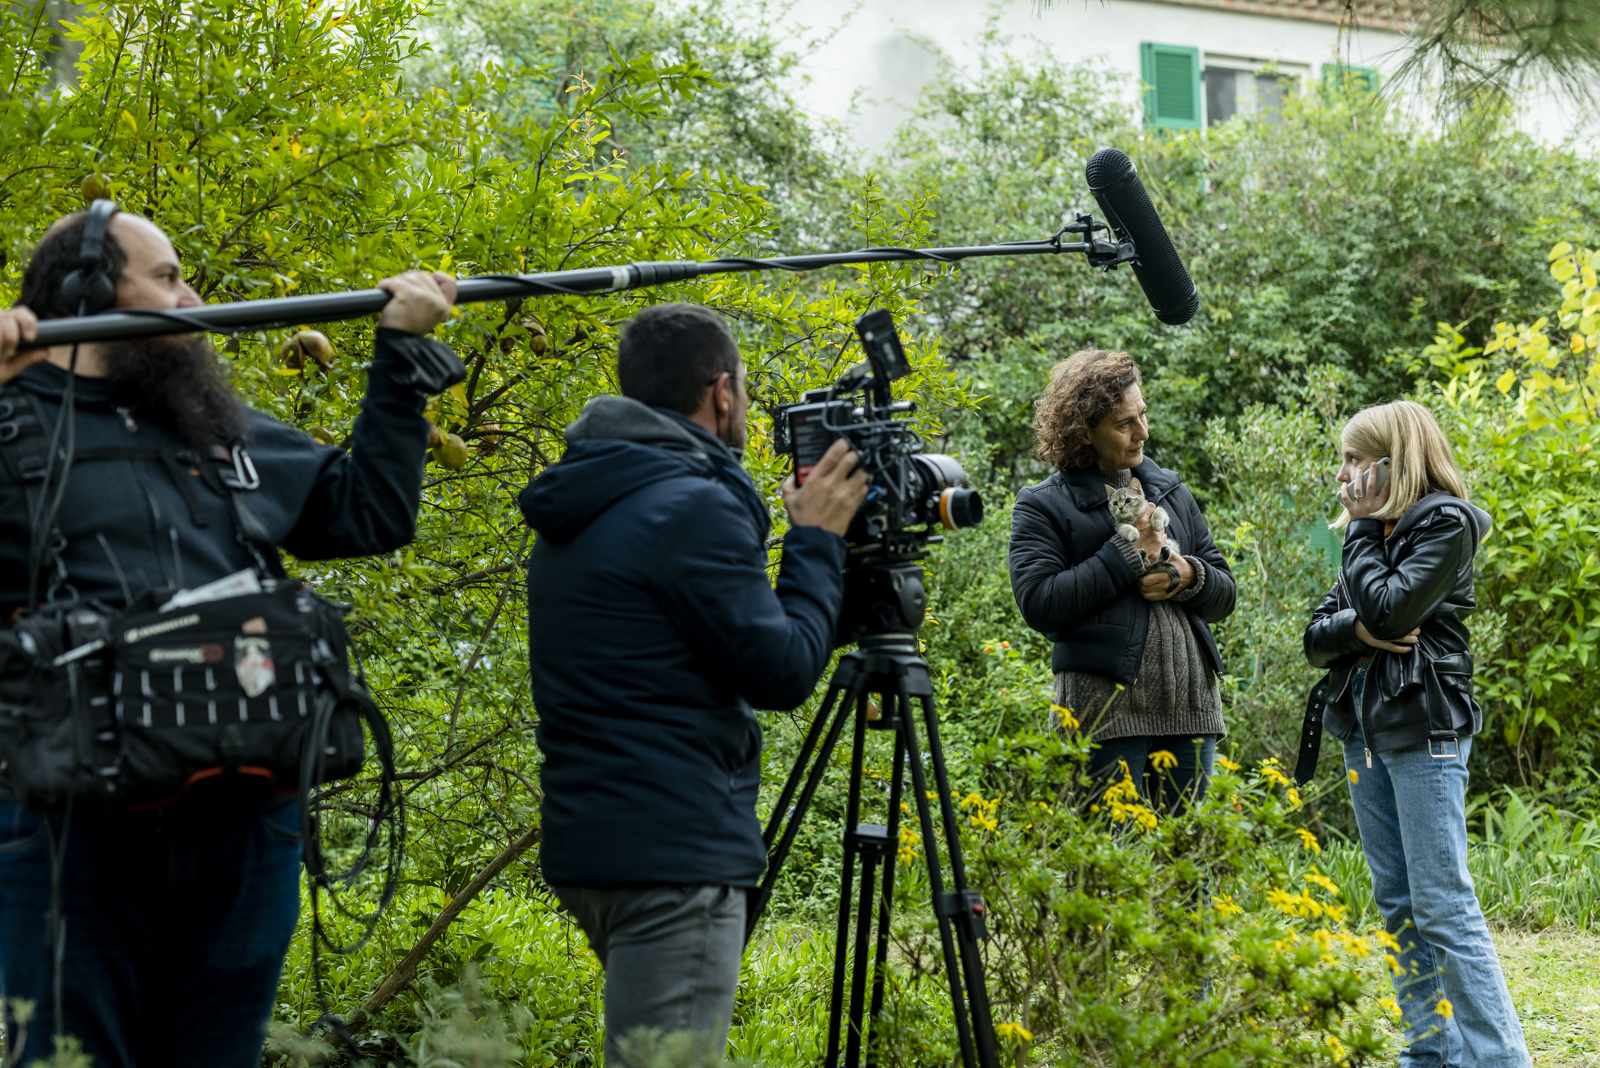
(812, 428)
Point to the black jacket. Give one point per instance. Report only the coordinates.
(1419, 576)
(1075, 587)
(129, 529)
(652, 629)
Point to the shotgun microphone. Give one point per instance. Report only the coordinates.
(1127, 208)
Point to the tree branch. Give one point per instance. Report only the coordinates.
(406, 973)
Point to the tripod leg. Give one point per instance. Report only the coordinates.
(841, 944)
(966, 923)
(858, 977)
(885, 912)
(845, 689)
(930, 842)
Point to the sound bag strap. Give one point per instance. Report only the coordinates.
(1311, 731)
(25, 449)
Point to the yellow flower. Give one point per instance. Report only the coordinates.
(1295, 904)
(1225, 905)
(1354, 778)
(1335, 1047)
(1014, 1031)
(1065, 716)
(1390, 1006)
(1226, 763)
(1294, 797)
(1394, 965)
(1388, 941)
(1162, 760)
(1269, 770)
(1316, 877)
(1444, 1008)
(1308, 841)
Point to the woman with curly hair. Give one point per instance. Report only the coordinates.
(1136, 665)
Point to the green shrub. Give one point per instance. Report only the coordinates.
(1123, 936)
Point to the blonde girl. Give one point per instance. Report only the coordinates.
(1393, 634)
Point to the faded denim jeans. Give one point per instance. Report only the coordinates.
(1410, 807)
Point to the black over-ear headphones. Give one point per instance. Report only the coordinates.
(90, 289)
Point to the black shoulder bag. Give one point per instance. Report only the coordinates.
(107, 710)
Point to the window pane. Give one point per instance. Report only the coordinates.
(1271, 91)
(1222, 95)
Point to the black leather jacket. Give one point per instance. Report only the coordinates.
(1074, 586)
(1419, 576)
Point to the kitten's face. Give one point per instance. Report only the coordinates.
(1126, 504)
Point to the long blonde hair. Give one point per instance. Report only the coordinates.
(1420, 458)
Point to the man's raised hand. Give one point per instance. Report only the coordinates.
(418, 301)
(832, 494)
(16, 326)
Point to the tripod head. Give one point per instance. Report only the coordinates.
(884, 604)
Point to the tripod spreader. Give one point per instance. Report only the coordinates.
(890, 666)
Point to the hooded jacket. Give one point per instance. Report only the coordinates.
(130, 528)
(1418, 576)
(1075, 587)
(652, 630)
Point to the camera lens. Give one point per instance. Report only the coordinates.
(959, 508)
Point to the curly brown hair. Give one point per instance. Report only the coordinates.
(1083, 390)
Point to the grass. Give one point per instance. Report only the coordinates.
(1557, 993)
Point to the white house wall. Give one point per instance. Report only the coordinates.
(885, 51)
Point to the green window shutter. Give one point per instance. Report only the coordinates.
(1349, 79)
(1172, 86)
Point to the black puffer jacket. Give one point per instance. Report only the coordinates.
(1074, 586)
(1419, 576)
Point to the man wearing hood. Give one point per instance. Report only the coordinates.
(652, 630)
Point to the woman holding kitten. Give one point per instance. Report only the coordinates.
(1398, 693)
(1128, 598)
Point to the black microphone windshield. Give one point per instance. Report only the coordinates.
(1128, 211)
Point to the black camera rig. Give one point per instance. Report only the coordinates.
(913, 495)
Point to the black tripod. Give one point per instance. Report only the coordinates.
(889, 665)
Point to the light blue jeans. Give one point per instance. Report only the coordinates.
(1410, 807)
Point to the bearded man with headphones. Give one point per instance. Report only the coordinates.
(155, 934)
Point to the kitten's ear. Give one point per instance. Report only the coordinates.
(1133, 484)
(1111, 491)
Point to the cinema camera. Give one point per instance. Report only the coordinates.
(913, 495)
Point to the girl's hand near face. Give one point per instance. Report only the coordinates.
(1357, 496)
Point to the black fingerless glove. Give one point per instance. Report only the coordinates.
(427, 364)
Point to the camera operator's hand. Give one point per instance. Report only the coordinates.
(16, 326)
(418, 301)
(832, 494)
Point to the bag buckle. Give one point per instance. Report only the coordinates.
(1447, 747)
(243, 476)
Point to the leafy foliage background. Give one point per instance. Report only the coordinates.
(1345, 253)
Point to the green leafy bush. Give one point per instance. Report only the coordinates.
(1123, 936)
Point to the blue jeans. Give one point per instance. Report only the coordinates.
(1410, 807)
(176, 925)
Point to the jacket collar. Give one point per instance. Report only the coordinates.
(1474, 516)
(1088, 485)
